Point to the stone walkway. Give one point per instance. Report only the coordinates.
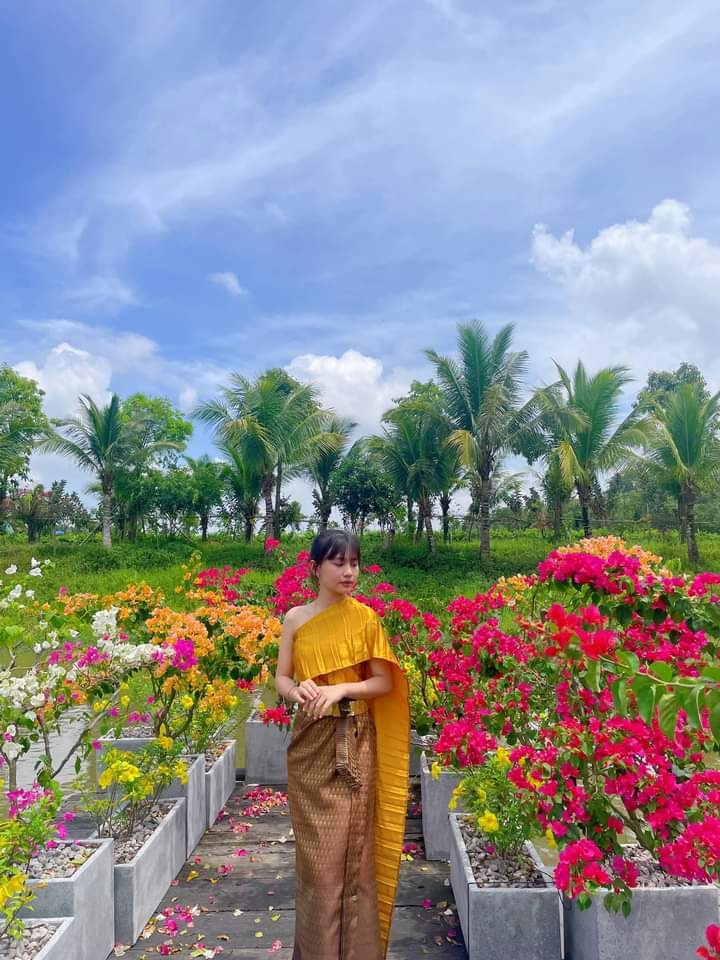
(245, 904)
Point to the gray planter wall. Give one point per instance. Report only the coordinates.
(194, 793)
(88, 896)
(193, 790)
(59, 947)
(666, 923)
(435, 797)
(499, 923)
(265, 751)
(141, 884)
(220, 782)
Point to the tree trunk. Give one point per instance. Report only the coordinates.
(682, 517)
(420, 522)
(427, 514)
(388, 537)
(107, 518)
(693, 552)
(410, 517)
(445, 507)
(557, 519)
(485, 493)
(276, 516)
(267, 485)
(584, 498)
(204, 518)
(248, 529)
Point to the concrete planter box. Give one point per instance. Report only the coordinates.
(60, 945)
(435, 797)
(220, 781)
(265, 751)
(141, 884)
(87, 896)
(666, 923)
(498, 923)
(193, 791)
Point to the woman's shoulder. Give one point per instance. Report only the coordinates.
(296, 616)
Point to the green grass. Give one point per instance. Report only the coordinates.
(428, 581)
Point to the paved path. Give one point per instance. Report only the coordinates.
(237, 898)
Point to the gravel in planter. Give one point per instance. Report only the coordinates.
(492, 870)
(650, 873)
(125, 850)
(36, 935)
(59, 862)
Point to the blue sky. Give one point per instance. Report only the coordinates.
(194, 188)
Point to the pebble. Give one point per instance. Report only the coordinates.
(60, 861)
(126, 849)
(35, 936)
(492, 871)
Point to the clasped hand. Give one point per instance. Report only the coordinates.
(316, 700)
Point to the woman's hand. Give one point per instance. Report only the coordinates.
(306, 691)
(321, 704)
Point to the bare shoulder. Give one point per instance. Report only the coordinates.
(296, 616)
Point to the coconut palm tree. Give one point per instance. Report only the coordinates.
(98, 442)
(244, 485)
(482, 397)
(205, 488)
(274, 422)
(322, 463)
(94, 441)
(580, 415)
(409, 451)
(685, 451)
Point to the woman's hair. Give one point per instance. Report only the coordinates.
(334, 543)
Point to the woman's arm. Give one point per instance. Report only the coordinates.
(284, 683)
(379, 682)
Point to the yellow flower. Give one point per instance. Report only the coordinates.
(502, 756)
(488, 822)
(435, 770)
(165, 742)
(550, 837)
(186, 701)
(124, 701)
(481, 794)
(458, 792)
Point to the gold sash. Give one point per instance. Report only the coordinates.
(343, 635)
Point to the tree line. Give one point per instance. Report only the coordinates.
(451, 432)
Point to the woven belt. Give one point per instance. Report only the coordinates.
(348, 708)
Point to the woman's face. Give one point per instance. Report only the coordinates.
(339, 575)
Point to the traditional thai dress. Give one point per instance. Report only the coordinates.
(347, 790)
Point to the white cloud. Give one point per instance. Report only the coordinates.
(102, 293)
(353, 384)
(229, 282)
(64, 374)
(646, 293)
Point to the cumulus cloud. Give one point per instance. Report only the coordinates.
(229, 281)
(645, 293)
(353, 384)
(64, 374)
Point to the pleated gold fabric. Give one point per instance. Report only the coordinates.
(329, 648)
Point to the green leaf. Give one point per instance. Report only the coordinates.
(692, 704)
(623, 615)
(711, 673)
(591, 675)
(715, 722)
(645, 701)
(619, 692)
(668, 707)
(626, 908)
(663, 671)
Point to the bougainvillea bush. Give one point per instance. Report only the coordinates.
(576, 671)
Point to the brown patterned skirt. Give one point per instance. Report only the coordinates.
(331, 793)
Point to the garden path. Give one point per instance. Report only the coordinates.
(248, 910)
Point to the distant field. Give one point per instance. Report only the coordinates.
(429, 581)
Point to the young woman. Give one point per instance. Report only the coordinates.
(347, 761)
